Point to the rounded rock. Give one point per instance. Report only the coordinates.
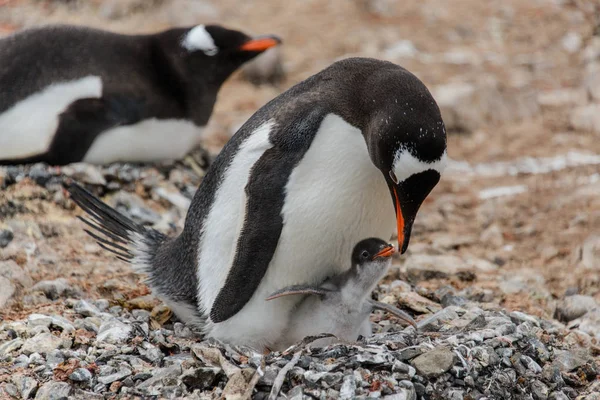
(434, 363)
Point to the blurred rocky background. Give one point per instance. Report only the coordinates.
(508, 243)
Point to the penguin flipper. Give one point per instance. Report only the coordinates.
(377, 305)
(83, 120)
(263, 224)
(299, 289)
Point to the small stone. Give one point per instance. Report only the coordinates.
(519, 317)
(116, 376)
(7, 291)
(53, 289)
(6, 236)
(113, 331)
(539, 390)
(11, 390)
(80, 375)
(39, 320)
(79, 394)
(568, 360)
(573, 307)
(54, 391)
(558, 395)
(572, 42)
(26, 385)
(21, 361)
(141, 315)
(200, 378)
(434, 363)
(418, 303)
(10, 346)
(151, 354)
(84, 172)
(54, 358)
(43, 343)
(160, 375)
(182, 331)
(86, 309)
(586, 118)
(102, 304)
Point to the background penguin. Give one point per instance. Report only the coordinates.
(72, 94)
(341, 305)
(310, 174)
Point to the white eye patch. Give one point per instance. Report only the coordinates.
(406, 165)
(198, 39)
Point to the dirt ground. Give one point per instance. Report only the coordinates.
(499, 69)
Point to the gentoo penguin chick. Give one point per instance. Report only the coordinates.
(347, 154)
(73, 94)
(341, 305)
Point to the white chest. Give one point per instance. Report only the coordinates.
(28, 127)
(148, 140)
(335, 197)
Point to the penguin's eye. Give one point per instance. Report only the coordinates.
(364, 255)
(393, 177)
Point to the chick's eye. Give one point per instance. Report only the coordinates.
(364, 254)
(393, 177)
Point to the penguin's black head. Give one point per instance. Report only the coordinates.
(222, 50)
(369, 250)
(406, 139)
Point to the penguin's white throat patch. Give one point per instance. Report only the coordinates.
(406, 165)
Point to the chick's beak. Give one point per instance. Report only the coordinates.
(385, 252)
(260, 43)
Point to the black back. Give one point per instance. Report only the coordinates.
(154, 69)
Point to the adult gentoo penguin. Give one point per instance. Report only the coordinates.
(341, 305)
(310, 174)
(70, 94)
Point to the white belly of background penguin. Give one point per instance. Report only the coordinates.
(307, 177)
(341, 305)
(72, 94)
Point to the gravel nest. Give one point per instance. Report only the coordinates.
(465, 348)
(97, 351)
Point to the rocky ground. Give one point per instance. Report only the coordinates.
(503, 269)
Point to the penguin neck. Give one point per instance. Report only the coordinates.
(360, 281)
(195, 93)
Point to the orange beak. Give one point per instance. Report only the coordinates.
(399, 221)
(386, 252)
(260, 43)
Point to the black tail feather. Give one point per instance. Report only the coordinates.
(117, 228)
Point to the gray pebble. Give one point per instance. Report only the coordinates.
(539, 390)
(80, 375)
(53, 289)
(10, 346)
(6, 236)
(21, 361)
(573, 307)
(26, 385)
(53, 391)
(113, 331)
(434, 363)
(86, 309)
(113, 377)
(43, 343)
(54, 357)
(200, 378)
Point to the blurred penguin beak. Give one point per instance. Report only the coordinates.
(261, 43)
